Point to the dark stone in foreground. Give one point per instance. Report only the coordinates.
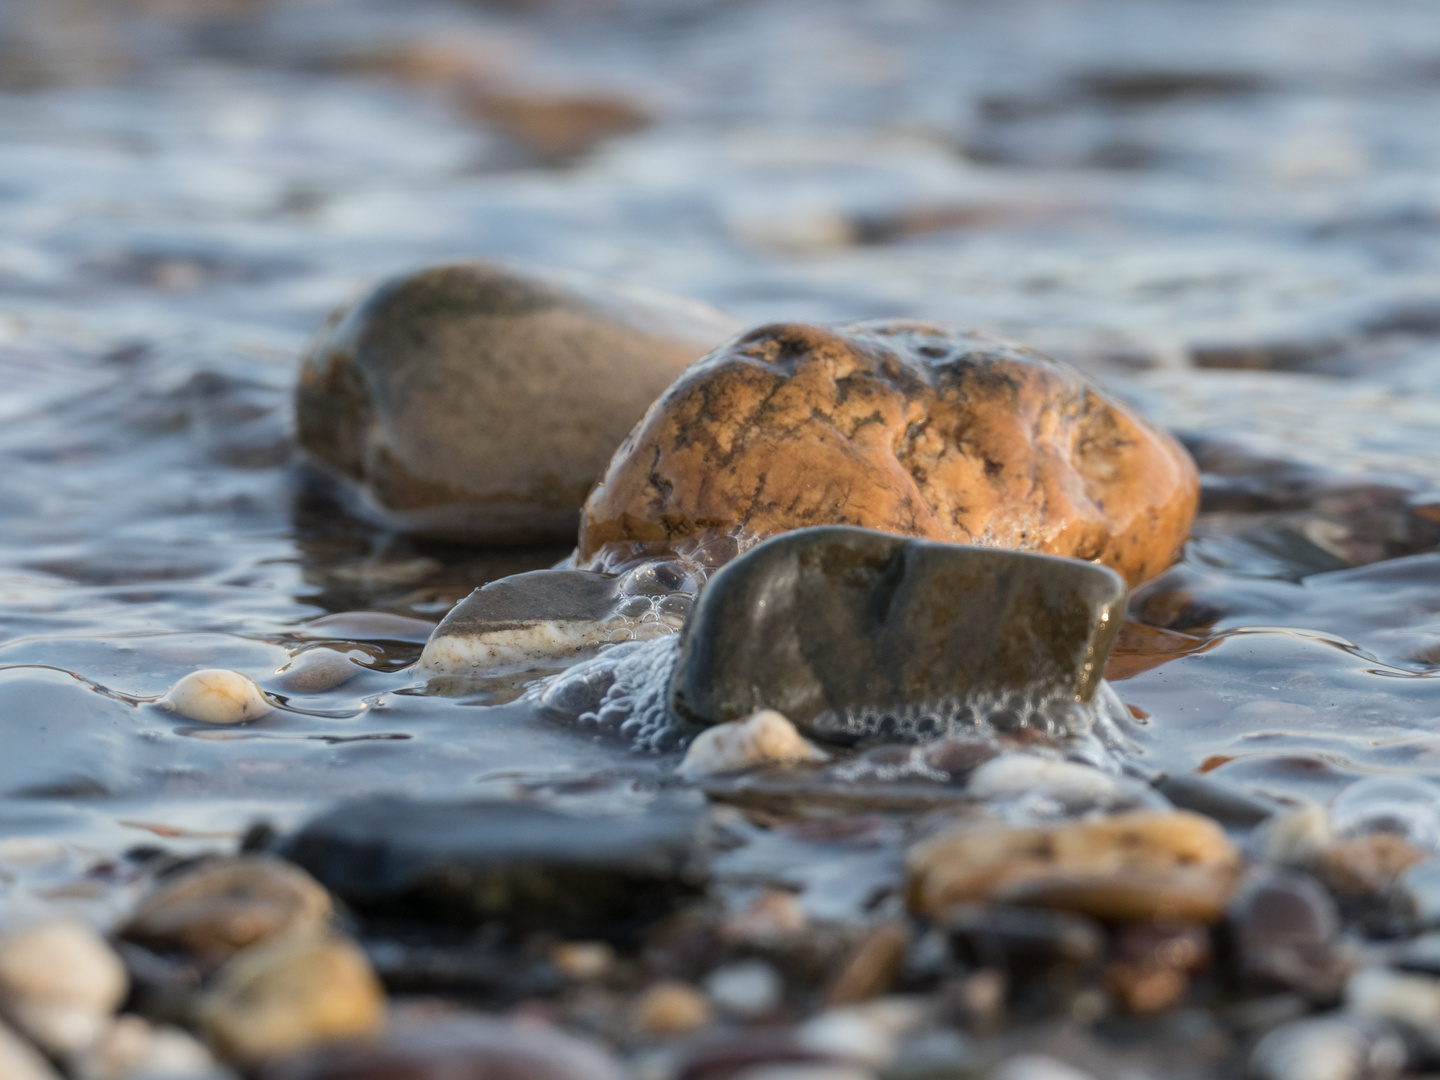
(853, 633)
(522, 865)
(478, 402)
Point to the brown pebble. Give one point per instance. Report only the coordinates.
(1130, 867)
(671, 1008)
(289, 994)
(227, 904)
(905, 426)
(1364, 865)
(872, 966)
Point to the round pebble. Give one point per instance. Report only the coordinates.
(217, 696)
(21, 1061)
(132, 1048)
(745, 987)
(671, 1008)
(1327, 1048)
(763, 738)
(59, 983)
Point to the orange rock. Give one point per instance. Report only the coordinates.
(911, 427)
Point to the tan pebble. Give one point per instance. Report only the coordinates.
(21, 1061)
(217, 696)
(228, 904)
(59, 983)
(1296, 836)
(1128, 867)
(289, 994)
(762, 738)
(1141, 988)
(132, 1047)
(872, 966)
(1364, 865)
(671, 1008)
(582, 960)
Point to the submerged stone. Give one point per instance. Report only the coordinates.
(521, 865)
(910, 427)
(473, 401)
(853, 633)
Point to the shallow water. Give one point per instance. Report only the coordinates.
(1228, 212)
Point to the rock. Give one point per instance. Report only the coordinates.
(477, 402)
(289, 994)
(908, 427)
(1406, 998)
(523, 865)
(59, 983)
(1024, 943)
(1327, 1048)
(21, 1061)
(872, 966)
(1152, 963)
(763, 738)
(1226, 803)
(217, 696)
(227, 904)
(318, 669)
(1129, 867)
(1365, 865)
(745, 987)
(769, 918)
(853, 633)
(1295, 837)
(1283, 926)
(456, 1047)
(671, 1008)
(582, 961)
(132, 1049)
(554, 616)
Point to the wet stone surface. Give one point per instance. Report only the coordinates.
(854, 634)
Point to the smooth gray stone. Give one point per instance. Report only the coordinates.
(523, 620)
(856, 634)
(523, 865)
(1216, 799)
(479, 402)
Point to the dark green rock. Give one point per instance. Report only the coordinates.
(858, 634)
(521, 865)
(478, 402)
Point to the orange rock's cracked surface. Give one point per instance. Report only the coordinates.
(912, 427)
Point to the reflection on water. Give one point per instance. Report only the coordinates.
(1227, 211)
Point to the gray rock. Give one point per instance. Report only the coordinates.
(458, 1046)
(858, 634)
(522, 865)
(477, 402)
(1025, 943)
(1284, 927)
(1216, 799)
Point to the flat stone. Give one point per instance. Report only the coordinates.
(524, 620)
(910, 427)
(477, 402)
(227, 904)
(1125, 868)
(522, 865)
(853, 633)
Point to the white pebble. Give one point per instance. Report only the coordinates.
(59, 983)
(762, 738)
(1326, 1048)
(1295, 837)
(1013, 775)
(848, 1033)
(217, 696)
(21, 1061)
(745, 987)
(1406, 998)
(132, 1047)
